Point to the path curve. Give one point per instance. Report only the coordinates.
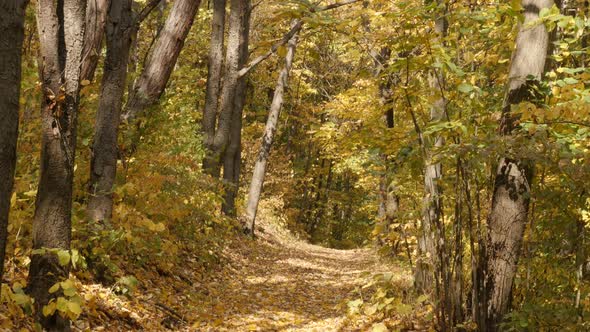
(282, 284)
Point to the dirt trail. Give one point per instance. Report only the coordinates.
(282, 284)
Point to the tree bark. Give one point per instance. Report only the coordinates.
(233, 156)
(12, 17)
(96, 17)
(511, 195)
(159, 65)
(213, 76)
(103, 163)
(61, 34)
(267, 140)
(427, 241)
(215, 152)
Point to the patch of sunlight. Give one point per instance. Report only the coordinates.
(260, 280)
(308, 265)
(265, 319)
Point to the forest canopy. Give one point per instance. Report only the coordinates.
(153, 151)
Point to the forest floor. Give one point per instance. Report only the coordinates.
(274, 283)
(279, 283)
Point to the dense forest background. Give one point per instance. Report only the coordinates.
(140, 141)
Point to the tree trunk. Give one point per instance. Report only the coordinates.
(382, 197)
(233, 156)
(96, 17)
(161, 61)
(213, 76)
(61, 35)
(104, 157)
(216, 150)
(427, 241)
(12, 17)
(267, 140)
(511, 195)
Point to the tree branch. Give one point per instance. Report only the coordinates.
(295, 29)
(145, 12)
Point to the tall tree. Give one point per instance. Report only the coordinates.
(216, 144)
(103, 165)
(147, 90)
(511, 195)
(233, 156)
(12, 17)
(268, 138)
(61, 35)
(216, 150)
(214, 73)
(96, 17)
(431, 215)
(158, 67)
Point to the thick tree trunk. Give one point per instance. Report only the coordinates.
(267, 140)
(216, 150)
(61, 34)
(12, 17)
(103, 167)
(511, 197)
(233, 156)
(213, 76)
(159, 65)
(96, 18)
(232, 162)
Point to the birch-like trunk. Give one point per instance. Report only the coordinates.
(428, 262)
(12, 17)
(511, 197)
(61, 36)
(103, 164)
(267, 140)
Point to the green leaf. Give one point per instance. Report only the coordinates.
(20, 299)
(465, 87)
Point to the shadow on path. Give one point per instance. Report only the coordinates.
(277, 285)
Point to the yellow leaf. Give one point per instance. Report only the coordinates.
(74, 308)
(63, 257)
(49, 309)
(159, 227)
(282, 51)
(54, 288)
(379, 327)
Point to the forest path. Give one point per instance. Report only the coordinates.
(278, 283)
